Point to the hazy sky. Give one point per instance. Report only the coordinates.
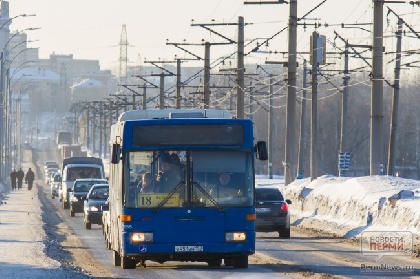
(91, 29)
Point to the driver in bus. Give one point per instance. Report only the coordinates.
(226, 187)
(169, 177)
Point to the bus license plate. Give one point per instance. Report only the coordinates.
(189, 249)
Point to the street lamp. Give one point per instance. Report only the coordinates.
(4, 101)
(12, 18)
(16, 120)
(2, 134)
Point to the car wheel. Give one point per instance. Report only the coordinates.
(215, 262)
(71, 213)
(240, 262)
(128, 263)
(88, 225)
(116, 258)
(284, 233)
(52, 196)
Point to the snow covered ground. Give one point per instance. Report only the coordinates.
(349, 206)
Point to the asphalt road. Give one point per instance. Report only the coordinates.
(305, 254)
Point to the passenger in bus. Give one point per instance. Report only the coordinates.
(169, 177)
(147, 183)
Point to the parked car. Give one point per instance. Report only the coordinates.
(272, 211)
(96, 201)
(55, 184)
(79, 192)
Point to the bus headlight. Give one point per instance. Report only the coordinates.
(235, 236)
(138, 237)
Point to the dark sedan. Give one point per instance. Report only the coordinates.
(79, 192)
(95, 201)
(272, 212)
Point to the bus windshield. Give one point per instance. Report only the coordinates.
(188, 178)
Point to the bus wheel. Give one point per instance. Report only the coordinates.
(240, 262)
(116, 258)
(228, 262)
(215, 262)
(128, 263)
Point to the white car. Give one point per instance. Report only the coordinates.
(55, 185)
(48, 173)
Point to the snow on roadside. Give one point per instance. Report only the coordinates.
(346, 206)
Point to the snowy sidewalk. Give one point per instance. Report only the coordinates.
(21, 234)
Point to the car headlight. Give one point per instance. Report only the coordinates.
(74, 199)
(93, 208)
(139, 237)
(235, 236)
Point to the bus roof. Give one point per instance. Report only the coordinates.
(174, 113)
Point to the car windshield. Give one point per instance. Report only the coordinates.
(84, 186)
(189, 178)
(57, 178)
(83, 172)
(99, 193)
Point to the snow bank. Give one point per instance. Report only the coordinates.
(346, 206)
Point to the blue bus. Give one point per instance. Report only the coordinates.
(182, 188)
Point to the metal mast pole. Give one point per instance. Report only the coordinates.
(289, 167)
(207, 75)
(162, 90)
(344, 107)
(376, 112)
(302, 122)
(240, 70)
(178, 83)
(314, 113)
(395, 103)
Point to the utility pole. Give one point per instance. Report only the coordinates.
(344, 97)
(376, 112)
(314, 113)
(290, 161)
(207, 75)
(395, 103)
(162, 81)
(302, 123)
(144, 96)
(240, 104)
(162, 91)
(87, 126)
(101, 116)
(240, 63)
(178, 83)
(105, 129)
(270, 130)
(251, 93)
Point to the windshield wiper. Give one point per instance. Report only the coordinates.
(207, 195)
(162, 203)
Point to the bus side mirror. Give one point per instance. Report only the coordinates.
(261, 149)
(116, 152)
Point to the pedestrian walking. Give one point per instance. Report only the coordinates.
(20, 176)
(29, 178)
(13, 178)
